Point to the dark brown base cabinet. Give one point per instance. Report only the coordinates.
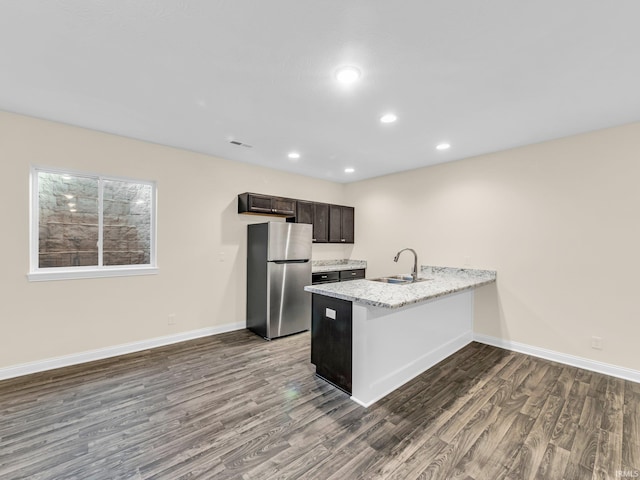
(331, 340)
(337, 276)
(352, 274)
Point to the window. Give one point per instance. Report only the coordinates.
(85, 225)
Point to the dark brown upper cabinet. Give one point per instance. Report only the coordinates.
(316, 214)
(320, 222)
(266, 205)
(341, 224)
(331, 223)
(304, 212)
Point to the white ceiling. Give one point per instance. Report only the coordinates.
(482, 76)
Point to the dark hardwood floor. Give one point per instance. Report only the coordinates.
(236, 406)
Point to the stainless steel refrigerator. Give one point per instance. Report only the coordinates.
(278, 268)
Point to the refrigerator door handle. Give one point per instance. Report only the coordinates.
(290, 261)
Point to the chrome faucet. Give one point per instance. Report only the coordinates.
(414, 273)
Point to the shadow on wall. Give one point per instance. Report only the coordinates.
(489, 318)
(233, 252)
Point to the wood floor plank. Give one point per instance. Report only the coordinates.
(630, 461)
(631, 428)
(500, 462)
(434, 449)
(553, 463)
(547, 385)
(565, 430)
(613, 415)
(631, 416)
(406, 444)
(529, 457)
(234, 406)
(608, 460)
(482, 453)
(462, 442)
(585, 446)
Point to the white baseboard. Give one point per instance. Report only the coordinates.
(580, 362)
(101, 353)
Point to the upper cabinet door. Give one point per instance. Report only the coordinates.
(266, 205)
(347, 227)
(341, 224)
(316, 214)
(304, 212)
(283, 206)
(335, 224)
(259, 203)
(320, 222)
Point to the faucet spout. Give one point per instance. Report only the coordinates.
(414, 273)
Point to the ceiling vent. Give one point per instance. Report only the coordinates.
(240, 144)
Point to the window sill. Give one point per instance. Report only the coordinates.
(65, 274)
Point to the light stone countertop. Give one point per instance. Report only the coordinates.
(318, 266)
(441, 281)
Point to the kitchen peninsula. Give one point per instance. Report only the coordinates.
(370, 337)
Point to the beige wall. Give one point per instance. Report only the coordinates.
(201, 243)
(559, 221)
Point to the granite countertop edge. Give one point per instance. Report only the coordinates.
(367, 292)
(322, 266)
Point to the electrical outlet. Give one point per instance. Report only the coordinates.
(596, 343)
(466, 261)
(172, 319)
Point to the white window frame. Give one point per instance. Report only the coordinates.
(67, 273)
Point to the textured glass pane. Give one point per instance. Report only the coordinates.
(127, 223)
(68, 220)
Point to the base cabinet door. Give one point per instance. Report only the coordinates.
(331, 340)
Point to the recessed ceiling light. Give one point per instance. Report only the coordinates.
(443, 146)
(294, 155)
(73, 210)
(349, 170)
(348, 75)
(388, 118)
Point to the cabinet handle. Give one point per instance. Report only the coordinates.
(342, 240)
(313, 239)
(323, 276)
(353, 274)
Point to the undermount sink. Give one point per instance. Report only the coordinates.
(399, 279)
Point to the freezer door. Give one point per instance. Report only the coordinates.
(289, 241)
(289, 308)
